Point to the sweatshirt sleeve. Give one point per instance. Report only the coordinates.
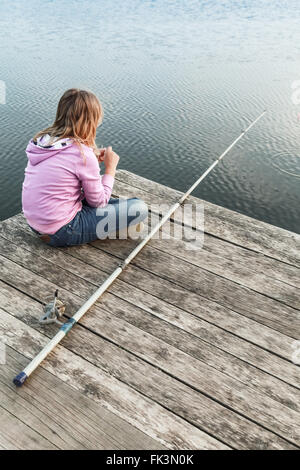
(97, 189)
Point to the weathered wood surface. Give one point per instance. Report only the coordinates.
(220, 222)
(189, 317)
(188, 349)
(65, 417)
(78, 286)
(104, 388)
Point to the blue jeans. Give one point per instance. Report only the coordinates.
(93, 223)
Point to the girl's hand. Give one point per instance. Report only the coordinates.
(111, 159)
(100, 154)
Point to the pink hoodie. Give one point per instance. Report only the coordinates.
(57, 178)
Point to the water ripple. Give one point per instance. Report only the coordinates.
(178, 80)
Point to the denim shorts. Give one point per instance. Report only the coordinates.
(93, 223)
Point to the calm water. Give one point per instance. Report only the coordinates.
(178, 81)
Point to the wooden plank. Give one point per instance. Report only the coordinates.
(188, 316)
(235, 254)
(219, 386)
(258, 437)
(167, 334)
(257, 262)
(221, 222)
(147, 343)
(272, 364)
(64, 416)
(259, 358)
(14, 434)
(263, 309)
(202, 349)
(6, 443)
(38, 422)
(154, 419)
(234, 270)
(236, 343)
(250, 353)
(239, 273)
(225, 362)
(227, 293)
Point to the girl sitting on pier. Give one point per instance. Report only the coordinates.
(64, 198)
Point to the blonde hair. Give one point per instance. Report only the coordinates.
(78, 115)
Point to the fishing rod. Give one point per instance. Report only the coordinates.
(67, 326)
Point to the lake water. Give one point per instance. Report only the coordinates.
(178, 80)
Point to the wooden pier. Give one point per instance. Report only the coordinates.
(188, 349)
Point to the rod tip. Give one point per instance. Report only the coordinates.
(20, 379)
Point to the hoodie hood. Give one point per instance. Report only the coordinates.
(41, 150)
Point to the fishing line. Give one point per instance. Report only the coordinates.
(281, 169)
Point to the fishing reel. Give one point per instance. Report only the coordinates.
(53, 311)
